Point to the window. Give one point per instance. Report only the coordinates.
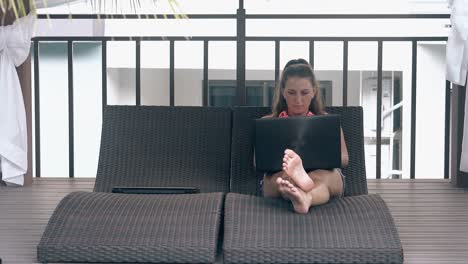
(223, 92)
(259, 93)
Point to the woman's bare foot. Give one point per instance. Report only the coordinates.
(300, 200)
(292, 165)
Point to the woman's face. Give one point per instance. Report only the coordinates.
(298, 93)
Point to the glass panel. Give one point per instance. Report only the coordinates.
(362, 63)
(396, 110)
(53, 82)
(87, 81)
(121, 72)
(188, 87)
(430, 112)
(328, 67)
(369, 103)
(155, 73)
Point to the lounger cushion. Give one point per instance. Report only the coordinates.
(107, 227)
(357, 229)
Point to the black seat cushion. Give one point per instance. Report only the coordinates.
(356, 229)
(107, 227)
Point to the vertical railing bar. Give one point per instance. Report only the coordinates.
(345, 73)
(71, 141)
(378, 161)
(241, 91)
(205, 72)
(447, 130)
(171, 73)
(277, 61)
(413, 108)
(104, 74)
(138, 72)
(312, 53)
(37, 117)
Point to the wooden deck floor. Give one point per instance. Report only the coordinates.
(431, 216)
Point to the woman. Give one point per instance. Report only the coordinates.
(298, 95)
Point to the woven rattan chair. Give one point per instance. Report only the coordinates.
(355, 229)
(148, 146)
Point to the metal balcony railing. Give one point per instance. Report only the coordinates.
(240, 38)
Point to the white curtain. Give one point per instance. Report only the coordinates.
(457, 61)
(15, 41)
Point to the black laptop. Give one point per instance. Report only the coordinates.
(316, 139)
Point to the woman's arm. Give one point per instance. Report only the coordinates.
(344, 151)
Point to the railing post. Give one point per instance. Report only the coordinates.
(312, 54)
(378, 145)
(241, 90)
(37, 108)
(413, 108)
(205, 73)
(104, 74)
(137, 72)
(458, 178)
(71, 141)
(171, 73)
(277, 61)
(345, 73)
(448, 92)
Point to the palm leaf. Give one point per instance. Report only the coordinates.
(19, 9)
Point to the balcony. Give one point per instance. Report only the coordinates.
(430, 214)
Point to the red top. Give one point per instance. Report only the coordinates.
(284, 114)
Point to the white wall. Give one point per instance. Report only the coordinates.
(69, 27)
(430, 113)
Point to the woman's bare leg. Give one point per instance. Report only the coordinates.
(327, 184)
(330, 178)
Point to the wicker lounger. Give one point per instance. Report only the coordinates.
(108, 227)
(148, 146)
(356, 229)
(145, 146)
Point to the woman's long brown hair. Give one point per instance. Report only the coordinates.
(297, 68)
